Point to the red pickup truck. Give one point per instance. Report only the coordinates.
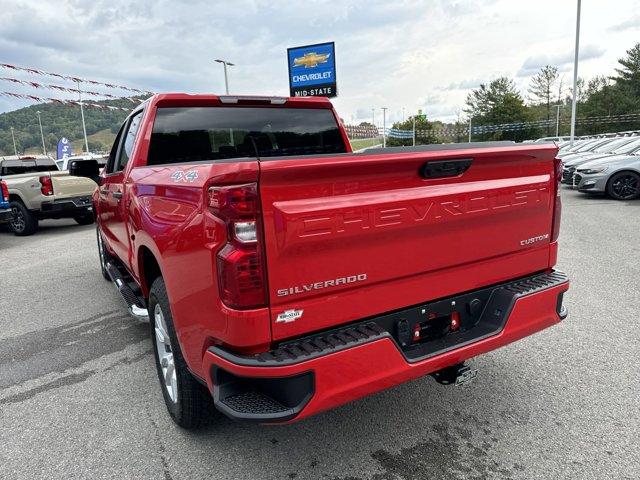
(284, 275)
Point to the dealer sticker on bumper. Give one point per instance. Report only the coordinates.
(289, 316)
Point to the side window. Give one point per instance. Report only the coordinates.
(126, 143)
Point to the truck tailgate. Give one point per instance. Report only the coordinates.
(356, 235)
(65, 185)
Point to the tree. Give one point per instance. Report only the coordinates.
(423, 132)
(497, 103)
(629, 74)
(542, 88)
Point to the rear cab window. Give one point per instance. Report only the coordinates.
(18, 167)
(189, 134)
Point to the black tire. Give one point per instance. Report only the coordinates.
(23, 222)
(192, 402)
(624, 186)
(84, 219)
(103, 255)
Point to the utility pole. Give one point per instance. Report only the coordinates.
(15, 149)
(84, 127)
(575, 77)
(44, 149)
(469, 129)
(225, 64)
(384, 127)
(558, 119)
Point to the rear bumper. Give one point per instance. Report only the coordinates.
(326, 370)
(5, 215)
(66, 207)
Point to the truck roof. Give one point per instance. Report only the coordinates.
(182, 99)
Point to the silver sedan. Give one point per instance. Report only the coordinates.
(618, 176)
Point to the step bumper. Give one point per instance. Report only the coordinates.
(360, 360)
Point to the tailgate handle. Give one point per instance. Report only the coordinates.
(445, 168)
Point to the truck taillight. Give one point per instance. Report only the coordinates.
(240, 263)
(46, 186)
(5, 191)
(557, 205)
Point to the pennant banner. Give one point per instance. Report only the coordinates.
(34, 71)
(62, 102)
(66, 89)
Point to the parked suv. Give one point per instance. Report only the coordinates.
(38, 190)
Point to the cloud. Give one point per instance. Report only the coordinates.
(408, 53)
(533, 64)
(631, 23)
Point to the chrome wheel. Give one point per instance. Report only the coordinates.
(17, 221)
(165, 354)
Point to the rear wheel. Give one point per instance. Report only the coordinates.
(624, 186)
(186, 399)
(23, 222)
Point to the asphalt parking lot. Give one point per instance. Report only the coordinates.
(79, 396)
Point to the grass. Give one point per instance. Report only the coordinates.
(359, 143)
(103, 136)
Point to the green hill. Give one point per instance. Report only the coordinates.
(61, 121)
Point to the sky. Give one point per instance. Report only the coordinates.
(397, 54)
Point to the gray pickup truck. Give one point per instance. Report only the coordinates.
(38, 190)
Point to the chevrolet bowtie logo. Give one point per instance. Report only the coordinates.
(310, 60)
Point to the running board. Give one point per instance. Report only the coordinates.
(136, 305)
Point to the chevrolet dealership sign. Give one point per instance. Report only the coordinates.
(312, 70)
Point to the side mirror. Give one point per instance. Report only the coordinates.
(85, 168)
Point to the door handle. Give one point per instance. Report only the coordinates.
(104, 191)
(117, 195)
(445, 168)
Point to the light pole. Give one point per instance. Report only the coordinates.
(373, 119)
(469, 129)
(13, 137)
(44, 149)
(414, 130)
(84, 127)
(558, 119)
(403, 117)
(575, 77)
(225, 64)
(384, 127)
